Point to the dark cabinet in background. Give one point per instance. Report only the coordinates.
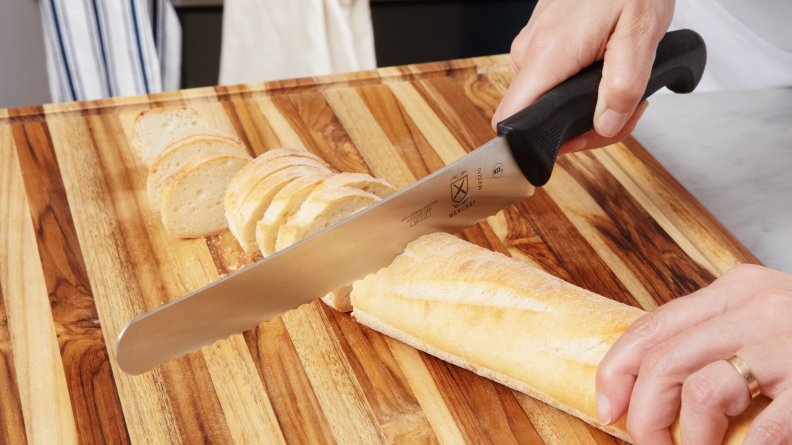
(405, 31)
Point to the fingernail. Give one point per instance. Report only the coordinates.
(577, 144)
(603, 409)
(610, 123)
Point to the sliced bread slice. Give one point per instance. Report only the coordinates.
(207, 132)
(178, 153)
(361, 181)
(192, 199)
(283, 208)
(321, 211)
(248, 179)
(154, 129)
(243, 222)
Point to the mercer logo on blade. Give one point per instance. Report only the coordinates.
(460, 188)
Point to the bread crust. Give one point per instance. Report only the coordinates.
(361, 181)
(207, 132)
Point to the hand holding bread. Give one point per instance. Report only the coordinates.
(675, 356)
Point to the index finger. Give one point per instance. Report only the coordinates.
(618, 370)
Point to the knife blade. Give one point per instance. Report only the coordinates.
(496, 175)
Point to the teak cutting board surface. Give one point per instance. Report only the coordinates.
(81, 255)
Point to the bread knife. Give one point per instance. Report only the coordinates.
(496, 175)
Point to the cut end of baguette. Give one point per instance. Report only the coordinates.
(321, 211)
(339, 300)
(154, 129)
(192, 201)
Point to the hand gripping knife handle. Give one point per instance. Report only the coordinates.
(536, 133)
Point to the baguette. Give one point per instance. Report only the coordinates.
(154, 129)
(270, 162)
(178, 153)
(282, 208)
(243, 222)
(505, 321)
(192, 199)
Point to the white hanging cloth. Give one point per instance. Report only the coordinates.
(102, 48)
(281, 39)
(748, 41)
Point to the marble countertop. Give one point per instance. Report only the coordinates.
(733, 151)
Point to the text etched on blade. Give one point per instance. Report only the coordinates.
(420, 214)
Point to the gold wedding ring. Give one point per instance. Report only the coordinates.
(745, 372)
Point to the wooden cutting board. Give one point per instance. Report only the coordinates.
(81, 255)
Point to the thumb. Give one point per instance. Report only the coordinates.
(627, 65)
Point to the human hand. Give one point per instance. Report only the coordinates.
(564, 36)
(676, 355)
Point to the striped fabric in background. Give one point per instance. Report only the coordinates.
(102, 48)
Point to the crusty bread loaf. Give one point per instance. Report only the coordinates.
(362, 181)
(503, 320)
(178, 153)
(154, 129)
(243, 221)
(320, 212)
(283, 208)
(192, 199)
(268, 163)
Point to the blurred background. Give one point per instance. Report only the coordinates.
(405, 31)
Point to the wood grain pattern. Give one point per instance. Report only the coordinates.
(245, 402)
(12, 423)
(149, 417)
(81, 254)
(39, 371)
(386, 388)
(383, 160)
(340, 395)
(293, 398)
(94, 397)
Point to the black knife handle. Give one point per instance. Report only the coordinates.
(536, 133)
